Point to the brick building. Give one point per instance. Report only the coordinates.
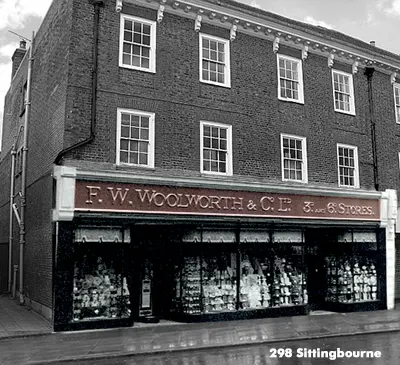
(197, 161)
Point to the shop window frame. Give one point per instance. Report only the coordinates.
(348, 83)
(304, 166)
(355, 168)
(283, 79)
(225, 63)
(227, 151)
(150, 140)
(348, 247)
(151, 46)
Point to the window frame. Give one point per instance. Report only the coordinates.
(356, 166)
(151, 149)
(300, 100)
(396, 86)
(352, 110)
(153, 42)
(304, 167)
(227, 68)
(229, 159)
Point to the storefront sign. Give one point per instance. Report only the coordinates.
(102, 196)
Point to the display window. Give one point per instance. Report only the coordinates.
(289, 287)
(352, 273)
(100, 288)
(256, 270)
(205, 278)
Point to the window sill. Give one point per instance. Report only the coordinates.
(214, 174)
(151, 70)
(349, 187)
(123, 166)
(227, 86)
(291, 100)
(295, 181)
(344, 112)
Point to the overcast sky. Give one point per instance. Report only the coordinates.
(368, 20)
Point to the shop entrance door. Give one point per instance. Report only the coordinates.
(153, 274)
(316, 280)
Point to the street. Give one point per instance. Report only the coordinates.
(385, 343)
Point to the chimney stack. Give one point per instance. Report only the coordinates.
(17, 57)
(372, 43)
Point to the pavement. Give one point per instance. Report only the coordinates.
(23, 343)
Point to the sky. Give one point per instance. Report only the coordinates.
(368, 20)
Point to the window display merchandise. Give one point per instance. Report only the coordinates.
(289, 285)
(207, 284)
(351, 279)
(99, 292)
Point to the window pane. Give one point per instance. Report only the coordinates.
(124, 144)
(143, 159)
(123, 157)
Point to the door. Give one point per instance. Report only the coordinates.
(316, 281)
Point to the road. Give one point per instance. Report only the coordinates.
(385, 344)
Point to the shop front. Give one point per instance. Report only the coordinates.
(143, 252)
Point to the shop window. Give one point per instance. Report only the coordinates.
(256, 273)
(396, 91)
(135, 138)
(216, 148)
(100, 287)
(348, 166)
(294, 158)
(206, 278)
(137, 43)
(290, 79)
(352, 270)
(214, 60)
(343, 92)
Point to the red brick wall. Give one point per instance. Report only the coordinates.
(45, 140)
(61, 107)
(251, 105)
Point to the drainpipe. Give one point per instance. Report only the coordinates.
(369, 71)
(11, 224)
(22, 232)
(97, 5)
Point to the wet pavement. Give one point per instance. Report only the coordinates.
(16, 320)
(305, 352)
(166, 339)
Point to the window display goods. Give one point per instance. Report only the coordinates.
(289, 285)
(99, 292)
(351, 280)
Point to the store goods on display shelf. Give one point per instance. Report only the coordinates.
(219, 289)
(255, 283)
(351, 280)
(289, 286)
(99, 292)
(191, 285)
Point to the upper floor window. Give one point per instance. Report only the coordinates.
(137, 47)
(343, 92)
(214, 60)
(290, 79)
(348, 166)
(135, 138)
(294, 158)
(396, 88)
(216, 148)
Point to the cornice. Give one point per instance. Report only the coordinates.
(258, 25)
(221, 184)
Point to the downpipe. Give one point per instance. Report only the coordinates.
(11, 222)
(22, 232)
